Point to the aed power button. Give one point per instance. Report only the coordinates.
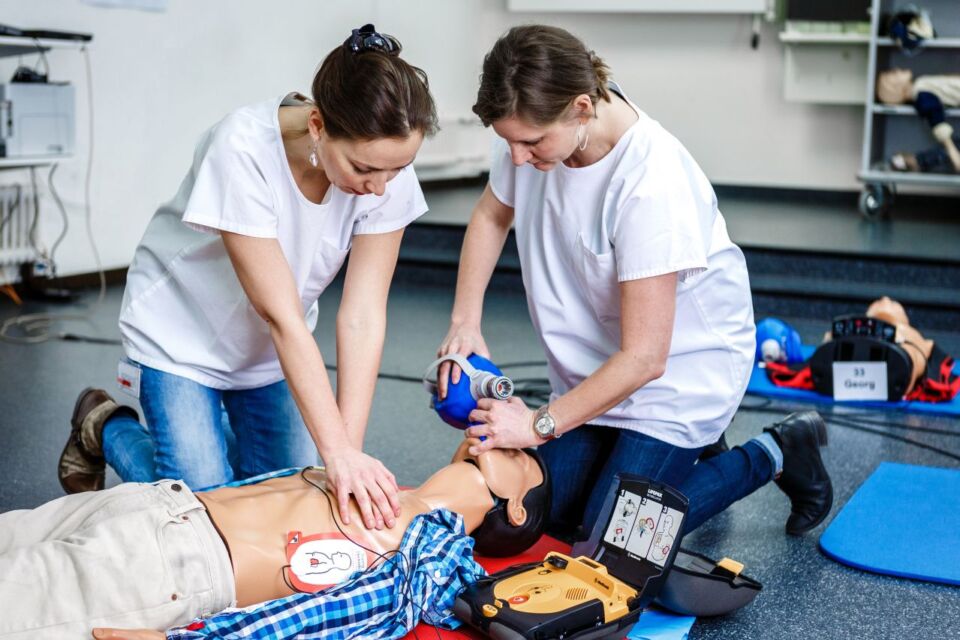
(489, 610)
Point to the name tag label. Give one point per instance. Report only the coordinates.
(128, 378)
(859, 381)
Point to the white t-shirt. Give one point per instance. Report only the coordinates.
(645, 209)
(184, 311)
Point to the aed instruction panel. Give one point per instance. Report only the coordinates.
(646, 529)
(639, 529)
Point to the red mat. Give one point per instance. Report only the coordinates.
(492, 565)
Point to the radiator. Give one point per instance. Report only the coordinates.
(16, 216)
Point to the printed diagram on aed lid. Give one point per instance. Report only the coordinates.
(644, 528)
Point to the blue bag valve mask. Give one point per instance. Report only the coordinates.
(778, 341)
(481, 379)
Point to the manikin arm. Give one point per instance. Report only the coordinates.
(943, 132)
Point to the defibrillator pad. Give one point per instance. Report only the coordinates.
(322, 560)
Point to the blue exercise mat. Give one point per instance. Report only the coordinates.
(903, 521)
(760, 385)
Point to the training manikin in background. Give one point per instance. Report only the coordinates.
(157, 555)
(929, 95)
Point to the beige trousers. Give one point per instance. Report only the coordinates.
(134, 556)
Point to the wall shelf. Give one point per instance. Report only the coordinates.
(906, 110)
(31, 161)
(643, 6)
(19, 46)
(933, 43)
(803, 37)
(899, 177)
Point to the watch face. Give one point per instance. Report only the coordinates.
(544, 426)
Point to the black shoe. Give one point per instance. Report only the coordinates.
(804, 478)
(715, 449)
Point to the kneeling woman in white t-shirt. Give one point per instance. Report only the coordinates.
(641, 301)
(221, 296)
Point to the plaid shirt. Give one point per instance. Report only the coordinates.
(421, 582)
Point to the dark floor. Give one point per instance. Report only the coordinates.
(805, 595)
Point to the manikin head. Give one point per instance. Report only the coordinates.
(888, 310)
(372, 111)
(540, 86)
(895, 86)
(519, 482)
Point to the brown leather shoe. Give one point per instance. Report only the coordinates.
(81, 466)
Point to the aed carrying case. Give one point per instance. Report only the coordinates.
(602, 589)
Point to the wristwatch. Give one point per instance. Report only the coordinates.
(544, 425)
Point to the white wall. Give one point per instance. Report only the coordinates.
(160, 79)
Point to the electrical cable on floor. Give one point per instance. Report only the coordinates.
(892, 436)
(36, 326)
(840, 420)
(536, 391)
(858, 417)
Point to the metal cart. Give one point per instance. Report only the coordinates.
(889, 129)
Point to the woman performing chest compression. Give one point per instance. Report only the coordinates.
(221, 296)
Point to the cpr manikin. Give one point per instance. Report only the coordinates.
(276, 537)
(929, 95)
(288, 505)
(918, 347)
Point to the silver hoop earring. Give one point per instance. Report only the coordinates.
(582, 144)
(313, 158)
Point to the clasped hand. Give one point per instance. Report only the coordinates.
(506, 424)
(352, 472)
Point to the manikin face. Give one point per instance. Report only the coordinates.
(509, 473)
(362, 167)
(544, 146)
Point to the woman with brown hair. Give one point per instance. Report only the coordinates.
(221, 296)
(640, 299)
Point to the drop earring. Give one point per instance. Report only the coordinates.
(313, 158)
(582, 143)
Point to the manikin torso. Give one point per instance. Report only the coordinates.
(255, 520)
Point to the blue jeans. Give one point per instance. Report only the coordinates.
(584, 461)
(191, 429)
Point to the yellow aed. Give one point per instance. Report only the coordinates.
(561, 582)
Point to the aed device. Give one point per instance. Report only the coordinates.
(862, 339)
(600, 589)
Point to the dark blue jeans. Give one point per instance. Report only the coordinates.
(584, 461)
(207, 436)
